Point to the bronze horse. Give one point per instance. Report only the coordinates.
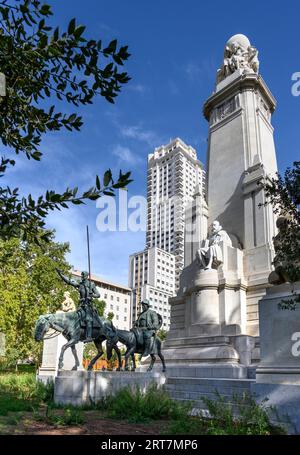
(69, 325)
(134, 344)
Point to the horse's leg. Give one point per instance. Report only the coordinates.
(118, 352)
(133, 361)
(98, 344)
(159, 353)
(153, 358)
(130, 350)
(74, 352)
(69, 344)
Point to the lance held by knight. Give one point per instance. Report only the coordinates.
(87, 292)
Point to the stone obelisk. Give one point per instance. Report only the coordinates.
(241, 154)
(214, 317)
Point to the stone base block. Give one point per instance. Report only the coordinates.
(204, 370)
(86, 387)
(286, 402)
(201, 354)
(278, 375)
(233, 350)
(280, 337)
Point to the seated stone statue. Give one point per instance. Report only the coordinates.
(211, 254)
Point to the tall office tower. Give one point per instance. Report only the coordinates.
(152, 277)
(174, 173)
(174, 176)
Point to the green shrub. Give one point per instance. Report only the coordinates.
(137, 406)
(21, 392)
(242, 415)
(70, 416)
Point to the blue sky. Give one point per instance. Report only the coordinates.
(176, 48)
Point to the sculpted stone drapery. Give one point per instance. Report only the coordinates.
(210, 255)
(238, 54)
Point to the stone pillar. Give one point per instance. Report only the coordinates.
(204, 311)
(196, 215)
(241, 153)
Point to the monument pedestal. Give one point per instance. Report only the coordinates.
(206, 337)
(279, 336)
(80, 388)
(51, 352)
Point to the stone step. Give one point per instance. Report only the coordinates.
(193, 389)
(197, 396)
(187, 381)
(214, 371)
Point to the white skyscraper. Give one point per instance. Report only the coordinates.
(174, 174)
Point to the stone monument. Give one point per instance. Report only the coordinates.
(214, 317)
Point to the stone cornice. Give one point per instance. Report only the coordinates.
(244, 82)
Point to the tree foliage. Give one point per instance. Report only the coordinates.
(283, 192)
(100, 306)
(162, 334)
(29, 287)
(43, 66)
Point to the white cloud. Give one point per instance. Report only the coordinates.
(126, 155)
(141, 134)
(140, 88)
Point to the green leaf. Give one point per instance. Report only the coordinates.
(98, 182)
(56, 34)
(79, 31)
(71, 27)
(111, 47)
(43, 41)
(108, 193)
(107, 177)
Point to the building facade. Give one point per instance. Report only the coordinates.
(174, 175)
(152, 274)
(174, 172)
(117, 298)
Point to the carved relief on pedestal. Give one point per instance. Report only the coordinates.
(225, 109)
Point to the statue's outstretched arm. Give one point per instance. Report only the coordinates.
(68, 280)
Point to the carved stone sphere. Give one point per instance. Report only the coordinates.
(240, 39)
